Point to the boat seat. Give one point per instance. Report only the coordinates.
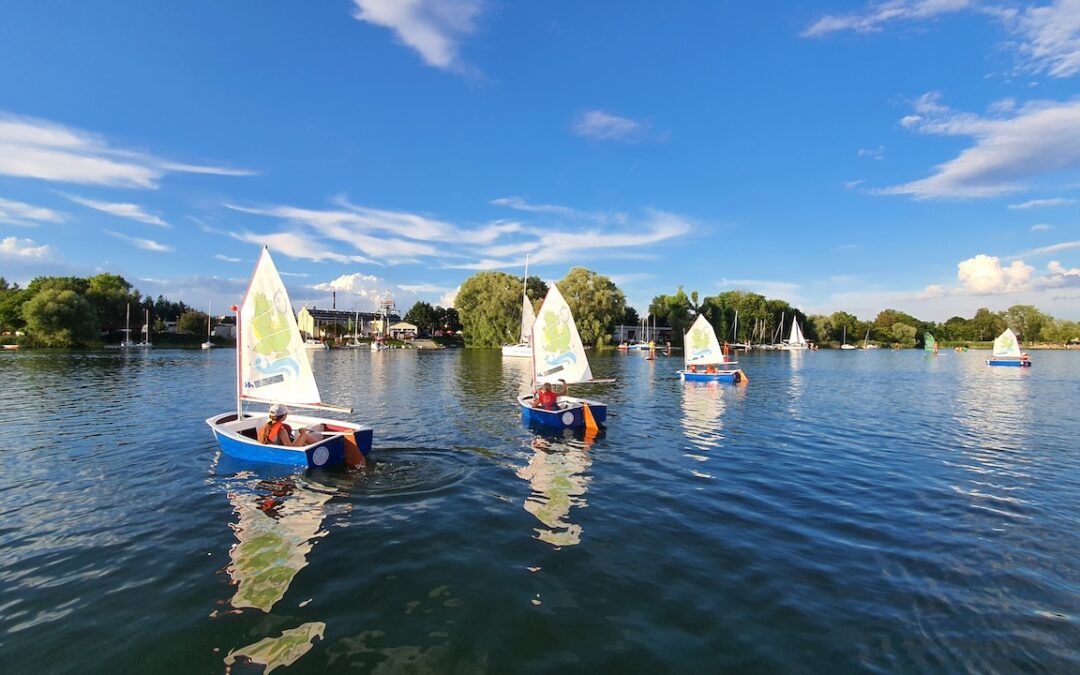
(250, 433)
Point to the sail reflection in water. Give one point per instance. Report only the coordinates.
(557, 474)
(703, 406)
(278, 521)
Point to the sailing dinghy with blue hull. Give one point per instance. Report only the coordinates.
(703, 359)
(272, 366)
(559, 357)
(1007, 352)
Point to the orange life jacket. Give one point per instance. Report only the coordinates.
(272, 430)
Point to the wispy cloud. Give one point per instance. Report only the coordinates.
(434, 28)
(129, 211)
(604, 126)
(1009, 152)
(27, 215)
(873, 153)
(298, 245)
(1041, 227)
(1046, 38)
(519, 204)
(225, 258)
(34, 148)
(1041, 203)
(13, 247)
(145, 244)
(424, 288)
(1047, 250)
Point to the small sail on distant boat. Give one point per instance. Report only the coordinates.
(866, 344)
(795, 341)
(930, 344)
(127, 342)
(1007, 352)
(558, 357)
(272, 367)
(522, 348)
(703, 358)
(355, 343)
(146, 332)
(208, 344)
(845, 345)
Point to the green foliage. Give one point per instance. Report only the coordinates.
(490, 307)
(60, 317)
(193, 322)
(597, 304)
(11, 301)
(1027, 322)
(447, 319)
(423, 316)
(110, 295)
(902, 333)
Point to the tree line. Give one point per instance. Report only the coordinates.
(79, 312)
(489, 304)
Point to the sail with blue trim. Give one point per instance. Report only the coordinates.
(557, 350)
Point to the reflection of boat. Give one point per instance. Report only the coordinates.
(273, 368)
(278, 523)
(557, 476)
(522, 349)
(703, 358)
(1007, 351)
(559, 357)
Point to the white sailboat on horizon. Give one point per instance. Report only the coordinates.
(523, 348)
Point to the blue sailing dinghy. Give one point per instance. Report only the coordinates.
(1007, 352)
(272, 366)
(703, 359)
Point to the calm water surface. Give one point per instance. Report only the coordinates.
(843, 512)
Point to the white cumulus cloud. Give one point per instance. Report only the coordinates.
(13, 247)
(984, 275)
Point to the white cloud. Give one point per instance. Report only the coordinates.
(873, 153)
(129, 211)
(13, 247)
(933, 291)
(423, 288)
(34, 148)
(1042, 138)
(769, 288)
(27, 215)
(448, 299)
(1040, 203)
(519, 204)
(1053, 248)
(876, 15)
(296, 245)
(434, 28)
(984, 275)
(1057, 268)
(225, 258)
(604, 126)
(145, 244)
(852, 184)
(1041, 227)
(1046, 37)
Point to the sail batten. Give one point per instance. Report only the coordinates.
(558, 353)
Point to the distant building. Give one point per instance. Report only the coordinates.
(402, 331)
(314, 322)
(658, 334)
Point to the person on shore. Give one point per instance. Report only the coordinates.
(276, 432)
(546, 397)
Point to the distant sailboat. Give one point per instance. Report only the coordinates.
(208, 344)
(127, 341)
(355, 342)
(703, 358)
(146, 332)
(930, 344)
(522, 349)
(845, 345)
(1007, 351)
(559, 357)
(866, 344)
(795, 340)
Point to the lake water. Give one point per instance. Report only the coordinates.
(842, 512)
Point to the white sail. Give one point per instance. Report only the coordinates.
(700, 346)
(274, 366)
(527, 318)
(557, 350)
(1006, 345)
(796, 337)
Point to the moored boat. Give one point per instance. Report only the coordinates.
(523, 349)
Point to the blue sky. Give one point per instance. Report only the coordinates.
(915, 154)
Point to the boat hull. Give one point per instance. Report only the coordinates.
(237, 438)
(719, 376)
(569, 413)
(1016, 363)
(520, 350)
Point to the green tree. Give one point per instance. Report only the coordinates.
(987, 325)
(903, 333)
(11, 302)
(630, 317)
(448, 318)
(423, 316)
(60, 317)
(597, 304)
(1027, 321)
(192, 322)
(490, 308)
(110, 295)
